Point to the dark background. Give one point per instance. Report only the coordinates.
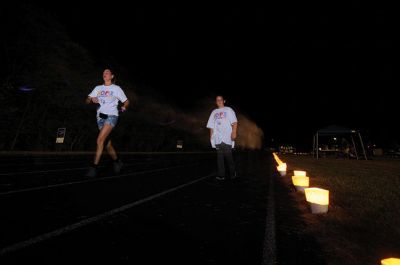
(292, 68)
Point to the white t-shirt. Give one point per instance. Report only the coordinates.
(221, 121)
(108, 97)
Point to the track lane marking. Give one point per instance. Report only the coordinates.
(94, 219)
(60, 170)
(91, 180)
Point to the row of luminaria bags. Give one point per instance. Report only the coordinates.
(316, 197)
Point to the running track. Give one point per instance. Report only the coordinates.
(164, 208)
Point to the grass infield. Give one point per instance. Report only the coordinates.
(363, 222)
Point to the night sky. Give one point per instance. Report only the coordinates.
(290, 68)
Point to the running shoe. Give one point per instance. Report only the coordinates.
(219, 178)
(92, 172)
(117, 165)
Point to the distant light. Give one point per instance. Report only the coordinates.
(334, 138)
(26, 89)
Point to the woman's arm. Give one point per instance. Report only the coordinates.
(90, 100)
(125, 105)
(234, 131)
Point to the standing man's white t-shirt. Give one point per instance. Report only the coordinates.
(108, 97)
(221, 121)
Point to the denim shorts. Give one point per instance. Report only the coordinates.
(111, 119)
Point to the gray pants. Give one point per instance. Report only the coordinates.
(224, 151)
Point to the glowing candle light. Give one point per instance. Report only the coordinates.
(277, 159)
(300, 182)
(300, 173)
(281, 165)
(390, 261)
(318, 199)
(282, 169)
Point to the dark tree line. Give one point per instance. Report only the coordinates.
(44, 79)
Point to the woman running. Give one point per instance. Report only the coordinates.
(107, 96)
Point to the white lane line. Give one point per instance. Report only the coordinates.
(41, 163)
(58, 170)
(42, 171)
(38, 153)
(92, 180)
(45, 163)
(88, 221)
(269, 248)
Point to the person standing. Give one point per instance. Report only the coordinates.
(223, 132)
(107, 96)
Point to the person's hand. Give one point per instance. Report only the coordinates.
(95, 100)
(233, 136)
(123, 109)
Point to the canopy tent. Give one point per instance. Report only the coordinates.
(337, 130)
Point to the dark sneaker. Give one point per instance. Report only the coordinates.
(220, 178)
(117, 165)
(92, 172)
